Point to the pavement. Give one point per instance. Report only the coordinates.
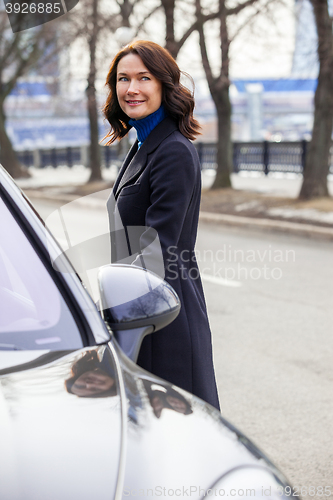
(256, 202)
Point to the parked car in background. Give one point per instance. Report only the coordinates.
(78, 418)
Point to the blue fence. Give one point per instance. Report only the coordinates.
(252, 156)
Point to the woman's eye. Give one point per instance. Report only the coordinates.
(122, 79)
(145, 78)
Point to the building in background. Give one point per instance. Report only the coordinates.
(271, 109)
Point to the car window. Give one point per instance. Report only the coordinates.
(33, 313)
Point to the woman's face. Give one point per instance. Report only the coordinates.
(177, 404)
(139, 93)
(92, 382)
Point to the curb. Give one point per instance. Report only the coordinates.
(298, 229)
(307, 230)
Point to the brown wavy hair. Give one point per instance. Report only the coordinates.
(177, 99)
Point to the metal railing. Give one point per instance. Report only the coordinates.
(259, 156)
(55, 157)
(247, 156)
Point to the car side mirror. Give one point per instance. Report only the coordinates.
(135, 302)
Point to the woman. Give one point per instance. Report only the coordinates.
(158, 189)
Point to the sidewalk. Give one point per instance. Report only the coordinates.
(257, 201)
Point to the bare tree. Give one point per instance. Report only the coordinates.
(318, 157)
(99, 25)
(92, 39)
(126, 8)
(219, 85)
(19, 52)
(93, 23)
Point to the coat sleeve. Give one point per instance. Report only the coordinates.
(174, 174)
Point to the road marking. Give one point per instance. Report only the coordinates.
(221, 281)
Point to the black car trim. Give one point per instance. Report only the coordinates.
(124, 424)
(86, 334)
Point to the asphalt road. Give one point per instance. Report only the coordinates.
(270, 302)
(273, 345)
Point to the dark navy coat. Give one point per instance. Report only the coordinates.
(159, 187)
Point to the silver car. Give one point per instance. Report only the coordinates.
(79, 420)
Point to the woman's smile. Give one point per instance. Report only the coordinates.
(134, 103)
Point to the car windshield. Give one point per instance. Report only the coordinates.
(33, 313)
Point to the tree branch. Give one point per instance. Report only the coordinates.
(141, 25)
(194, 27)
(10, 48)
(235, 10)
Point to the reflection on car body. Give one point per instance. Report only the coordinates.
(161, 397)
(92, 377)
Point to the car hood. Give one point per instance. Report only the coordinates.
(55, 445)
(153, 439)
(177, 443)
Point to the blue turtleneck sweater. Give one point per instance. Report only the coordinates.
(144, 126)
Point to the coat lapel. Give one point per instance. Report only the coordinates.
(132, 168)
(136, 160)
(124, 166)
